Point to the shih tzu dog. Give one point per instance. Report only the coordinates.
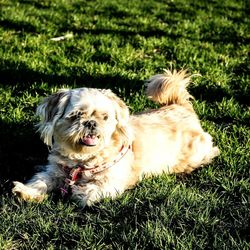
(98, 150)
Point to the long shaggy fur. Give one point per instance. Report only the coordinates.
(169, 88)
(90, 129)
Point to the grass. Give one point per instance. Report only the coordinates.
(118, 44)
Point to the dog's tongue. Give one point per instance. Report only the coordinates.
(90, 140)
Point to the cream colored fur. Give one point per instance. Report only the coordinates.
(88, 127)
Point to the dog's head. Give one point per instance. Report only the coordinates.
(83, 120)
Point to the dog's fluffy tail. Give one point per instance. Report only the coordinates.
(169, 88)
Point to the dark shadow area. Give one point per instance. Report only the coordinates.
(222, 35)
(225, 121)
(214, 93)
(241, 89)
(21, 150)
(18, 26)
(19, 75)
(239, 85)
(41, 4)
(208, 93)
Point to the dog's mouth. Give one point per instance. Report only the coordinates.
(89, 140)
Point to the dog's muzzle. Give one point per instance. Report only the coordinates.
(91, 136)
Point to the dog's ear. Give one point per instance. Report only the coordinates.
(122, 111)
(50, 110)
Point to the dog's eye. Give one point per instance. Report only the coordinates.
(105, 117)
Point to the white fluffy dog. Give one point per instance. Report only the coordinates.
(98, 150)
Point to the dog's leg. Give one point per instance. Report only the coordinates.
(92, 192)
(86, 194)
(39, 185)
(198, 152)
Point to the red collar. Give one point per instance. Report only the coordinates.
(74, 172)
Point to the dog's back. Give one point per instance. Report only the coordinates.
(170, 138)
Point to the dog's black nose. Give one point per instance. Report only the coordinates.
(91, 124)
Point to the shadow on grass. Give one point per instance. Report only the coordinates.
(18, 26)
(20, 151)
(217, 93)
(225, 35)
(20, 75)
(38, 4)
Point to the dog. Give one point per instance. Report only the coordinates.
(99, 150)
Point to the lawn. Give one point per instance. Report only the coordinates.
(118, 44)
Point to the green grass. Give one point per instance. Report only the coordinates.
(118, 44)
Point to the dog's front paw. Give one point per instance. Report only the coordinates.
(27, 193)
(85, 195)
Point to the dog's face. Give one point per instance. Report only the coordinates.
(82, 120)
